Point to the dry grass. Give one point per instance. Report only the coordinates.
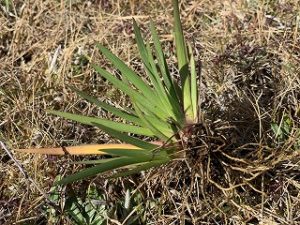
(250, 77)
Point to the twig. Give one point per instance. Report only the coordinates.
(25, 174)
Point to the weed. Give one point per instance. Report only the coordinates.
(162, 110)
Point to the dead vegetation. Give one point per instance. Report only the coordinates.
(237, 170)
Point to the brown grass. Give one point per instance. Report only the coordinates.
(250, 77)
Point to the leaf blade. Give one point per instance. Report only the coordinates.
(128, 73)
(101, 168)
(143, 167)
(123, 86)
(140, 153)
(118, 112)
(125, 138)
(91, 120)
(194, 90)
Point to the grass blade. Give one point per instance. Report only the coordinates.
(89, 162)
(173, 96)
(161, 60)
(171, 102)
(158, 132)
(125, 138)
(179, 38)
(149, 64)
(194, 90)
(101, 168)
(143, 53)
(160, 57)
(115, 125)
(156, 77)
(151, 69)
(139, 153)
(127, 72)
(150, 104)
(143, 167)
(112, 109)
(182, 56)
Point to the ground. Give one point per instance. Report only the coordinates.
(248, 52)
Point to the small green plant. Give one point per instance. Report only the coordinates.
(93, 208)
(7, 4)
(90, 210)
(163, 109)
(285, 130)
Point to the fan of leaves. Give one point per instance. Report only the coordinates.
(161, 109)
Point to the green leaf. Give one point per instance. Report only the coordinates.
(179, 39)
(125, 138)
(154, 75)
(134, 153)
(151, 70)
(172, 104)
(172, 94)
(92, 121)
(150, 66)
(97, 161)
(277, 131)
(194, 90)
(143, 52)
(101, 168)
(114, 110)
(132, 77)
(182, 58)
(161, 57)
(158, 132)
(187, 101)
(123, 86)
(162, 61)
(129, 73)
(143, 167)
